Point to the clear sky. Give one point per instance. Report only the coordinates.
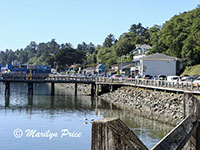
(75, 21)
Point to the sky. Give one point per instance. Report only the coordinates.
(75, 21)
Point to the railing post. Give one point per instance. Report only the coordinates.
(113, 134)
(192, 107)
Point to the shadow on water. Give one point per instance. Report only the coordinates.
(78, 110)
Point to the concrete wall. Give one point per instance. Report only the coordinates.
(155, 68)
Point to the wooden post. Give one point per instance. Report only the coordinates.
(52, 89)
(92, 89)
(7, 88)
(113, 134)
(30, 88)
(192, 107)
(76, 89)
(97, 89)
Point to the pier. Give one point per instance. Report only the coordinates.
(106, 84)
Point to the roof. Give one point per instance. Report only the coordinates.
(159, 57)
(144, 46)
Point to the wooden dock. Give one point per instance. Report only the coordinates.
(113, 134)
(102, 81)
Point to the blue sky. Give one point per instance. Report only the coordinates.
(75, 21)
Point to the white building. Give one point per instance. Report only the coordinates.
(157, 64)
(141, 49)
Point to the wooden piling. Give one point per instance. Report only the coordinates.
(7, 88)
(76, 88)
(52, 89)
(93, 89)
(30, 88)
(113, 134)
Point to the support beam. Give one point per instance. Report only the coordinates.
(97, 89)
(52, 89)
(76, 88)
(92, 89)
(30, 88)
(7, 88)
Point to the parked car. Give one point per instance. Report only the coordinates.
(161, 77)
(147, 76)
(196, 82)
(115, 76)
(173, 79)
(187, 80)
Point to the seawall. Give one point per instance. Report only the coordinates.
(155, 105)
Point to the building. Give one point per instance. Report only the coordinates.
(141, 49)
(100, 68)
(89, 71)
(157, 64)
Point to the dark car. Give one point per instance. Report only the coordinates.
(147, 76)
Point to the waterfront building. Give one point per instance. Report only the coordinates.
(157, 64)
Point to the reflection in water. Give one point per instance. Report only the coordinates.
(64, 110)
(7, 100)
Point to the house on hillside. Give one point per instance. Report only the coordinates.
(141, 49)
(157, 64)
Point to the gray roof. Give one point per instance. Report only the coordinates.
(144, 46)
(159, 57)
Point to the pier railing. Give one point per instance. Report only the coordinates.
(143, 83)
(147, 83)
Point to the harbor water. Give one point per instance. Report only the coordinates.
(61, 122)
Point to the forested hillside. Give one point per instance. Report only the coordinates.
(178, 37)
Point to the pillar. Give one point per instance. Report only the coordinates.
(76, 86)
(52, 89)
(7, 88)
(30, 88)
(97, 89)
(92, 89)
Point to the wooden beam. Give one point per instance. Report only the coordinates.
(113, 134)
(178, 137)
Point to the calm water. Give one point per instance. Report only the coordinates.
(51, 114)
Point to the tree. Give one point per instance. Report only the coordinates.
(109, 41)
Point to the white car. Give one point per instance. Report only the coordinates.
(196, 82)
(173, 79)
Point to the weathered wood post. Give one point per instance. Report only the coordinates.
(52, 89)
(93, 89)
(113, 134)
(97, 89)
(7, 88)
(30, 88)
(76, 86)
(192, 107)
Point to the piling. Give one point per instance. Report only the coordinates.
(30, 88)
(76, 88)
(7, 88)
(52, 89)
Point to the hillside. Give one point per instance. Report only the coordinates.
(179, 37)
(193, 70)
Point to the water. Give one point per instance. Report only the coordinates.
(51, 114)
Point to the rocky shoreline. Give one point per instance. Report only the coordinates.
(155, 105)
